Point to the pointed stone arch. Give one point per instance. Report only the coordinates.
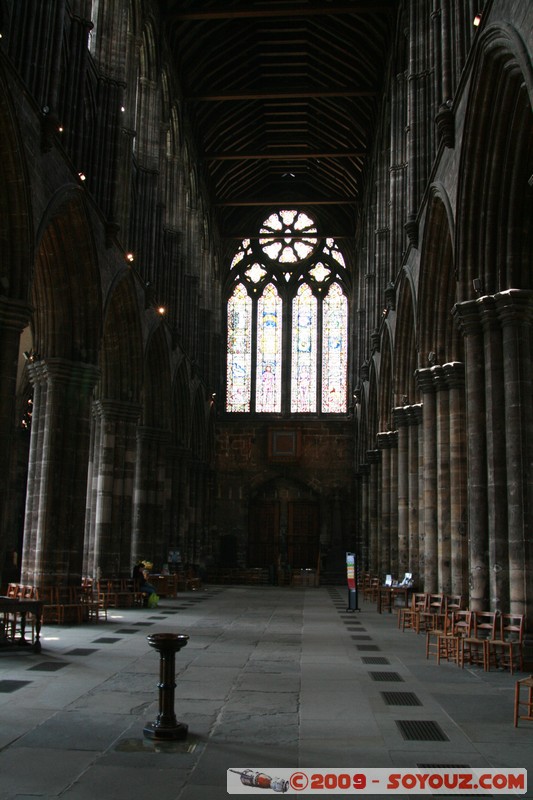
(121, 358)
(157, 381)
(66, 289)
(386, 388)
(495, 202)
(16, 234)
(405, 345)
(439, 339)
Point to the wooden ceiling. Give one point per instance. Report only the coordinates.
(283, 98)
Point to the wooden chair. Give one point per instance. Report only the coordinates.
(12, 619)
(527, 684)
(439, 630)
(450, 643)
(454, 602)
(506, 649)
(107, 594)
(475, 646)
(431, 618)
(410, 617)
(370, 591)
(62, 605)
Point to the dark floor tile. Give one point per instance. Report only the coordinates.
(49, 666)
(8, 686)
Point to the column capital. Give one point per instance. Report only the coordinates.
(467, 316)
(387, 440)
(427, 379)
(454, 373)
(117, 410)
(14, 314)
(414, 414)
(373, 456)
(514, 306)
(147, 434)
(61, 371)
(399, 416)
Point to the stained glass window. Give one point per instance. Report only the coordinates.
(288, 278)
(334, 350)
(304, 355)
(239, 356)
(269, 328)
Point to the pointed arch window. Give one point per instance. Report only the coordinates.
(269, 329)
(287, 321)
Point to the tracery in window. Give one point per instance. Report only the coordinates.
(269, 330)
(334, 351)
(304, 356)
(239, 351)
(287, 317)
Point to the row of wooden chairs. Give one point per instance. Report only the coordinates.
(484, 638)
(11, 619)
(427, 610)
(61, 605)
(118, 593)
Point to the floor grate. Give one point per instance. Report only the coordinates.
(368, 648)
(363, 638)
(11, 686)
(386, 676)
(415, 730)
(107, 640)
(400, 699)
(82, 651)
(375, 660)
(49, 666)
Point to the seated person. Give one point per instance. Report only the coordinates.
(151, 598)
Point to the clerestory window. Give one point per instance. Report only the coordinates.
(287, 321)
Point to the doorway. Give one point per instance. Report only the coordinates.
(284, 527)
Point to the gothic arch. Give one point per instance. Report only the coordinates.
(495, 202)
(156, 388)
(121, 362)
(405, 346)
(198, 431)
(437, 286)
(181, 408)
(386, 388)
(372, 405)
(66, 291)
(16, 234)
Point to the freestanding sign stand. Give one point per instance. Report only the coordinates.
(351, 575)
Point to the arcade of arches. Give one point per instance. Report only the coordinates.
(118, 439)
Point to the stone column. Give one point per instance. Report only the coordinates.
(443, 481)
(495, 423)
(374, 460)
(148, 495)
(426, 384)
(455, 380)
(468, 319)
(515, 311)
(112, 482)
(57, 472)
(394, 546)
(363, 533)
(384, 540)
(414, 419)
(401, 423)
(14, 317)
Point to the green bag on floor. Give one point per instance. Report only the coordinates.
(153, 600)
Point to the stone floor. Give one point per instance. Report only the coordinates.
(270, 678)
